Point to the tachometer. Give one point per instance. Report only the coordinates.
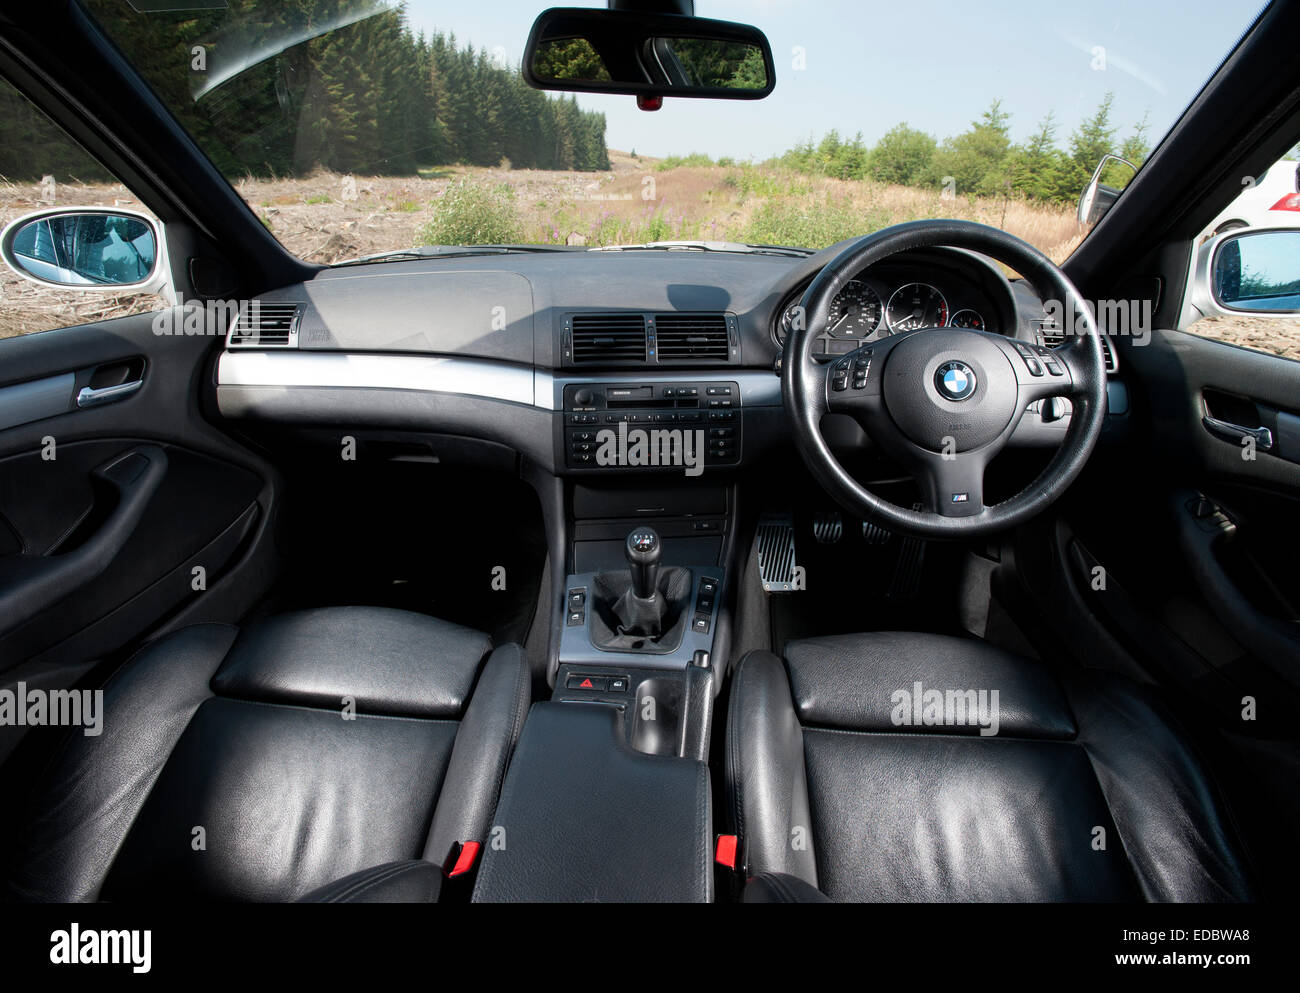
(855, 312)
(916, 305)
(967, 318)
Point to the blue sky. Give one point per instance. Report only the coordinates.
(936, 64)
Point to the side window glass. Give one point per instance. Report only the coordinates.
(1245, 285)
(40, 168)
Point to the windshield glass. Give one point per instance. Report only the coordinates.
(356, 127)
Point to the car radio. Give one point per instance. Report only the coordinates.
(652, 426)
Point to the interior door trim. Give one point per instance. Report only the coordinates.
(36, 399)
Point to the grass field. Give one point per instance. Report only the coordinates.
(327, 218)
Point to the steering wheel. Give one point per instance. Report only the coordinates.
(944, 401)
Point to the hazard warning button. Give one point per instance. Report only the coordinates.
(579, 681)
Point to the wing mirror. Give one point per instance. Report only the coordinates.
(1097, 198)
(87, 248)
(648, 55)
(1255, 271)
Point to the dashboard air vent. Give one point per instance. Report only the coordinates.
(692, 337)
(608, 338)
(261, 324)
(1052, 336)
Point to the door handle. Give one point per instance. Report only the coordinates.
(88, 397)
(1236, 432)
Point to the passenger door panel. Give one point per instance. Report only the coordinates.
(108, 508)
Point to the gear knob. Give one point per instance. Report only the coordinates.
(642, 551)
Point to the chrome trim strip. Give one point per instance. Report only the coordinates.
(468, 377)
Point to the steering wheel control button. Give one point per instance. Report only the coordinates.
(840, 375)
(1049, 360)
(955, 380)
(861, 366)
(1027, 353)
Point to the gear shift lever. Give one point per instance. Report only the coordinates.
(642, 551)
(633, 610)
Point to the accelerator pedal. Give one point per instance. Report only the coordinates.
(774, 548)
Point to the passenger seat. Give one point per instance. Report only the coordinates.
(331, 754)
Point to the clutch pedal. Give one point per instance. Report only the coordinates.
(774, 546)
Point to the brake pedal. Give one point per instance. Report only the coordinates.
(874, 534)
(827, 527)
(774, 546)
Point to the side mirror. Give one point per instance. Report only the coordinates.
(1097, 198)
(648, 55)
(1251, 272)
(86, 248)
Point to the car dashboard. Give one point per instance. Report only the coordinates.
(541, 351)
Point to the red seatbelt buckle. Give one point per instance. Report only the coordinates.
(724, 852)
(460, 859)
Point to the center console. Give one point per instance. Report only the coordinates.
(608, 795)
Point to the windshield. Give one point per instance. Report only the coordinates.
(355, 127)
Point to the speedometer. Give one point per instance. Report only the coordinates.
(916, 305)
(855, 312)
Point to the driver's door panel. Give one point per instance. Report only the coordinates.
(1223, 472)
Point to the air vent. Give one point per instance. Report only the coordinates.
(1052, 336)
(608, 338)
(261, 324)
(692, 337)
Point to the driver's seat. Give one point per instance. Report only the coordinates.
(858, 766)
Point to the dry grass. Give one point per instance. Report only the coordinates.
(327, 218)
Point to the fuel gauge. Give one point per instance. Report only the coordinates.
(967, 319)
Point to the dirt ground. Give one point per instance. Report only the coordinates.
(1264, 334)
(327, 218)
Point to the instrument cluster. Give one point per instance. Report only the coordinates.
(866, 309)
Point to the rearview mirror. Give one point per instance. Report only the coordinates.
(617, 51)
(85, 248)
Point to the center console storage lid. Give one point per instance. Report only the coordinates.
(587, 819)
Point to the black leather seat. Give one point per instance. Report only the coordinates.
(271, 763)
(1085, 792)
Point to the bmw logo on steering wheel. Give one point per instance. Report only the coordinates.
(955, 380)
